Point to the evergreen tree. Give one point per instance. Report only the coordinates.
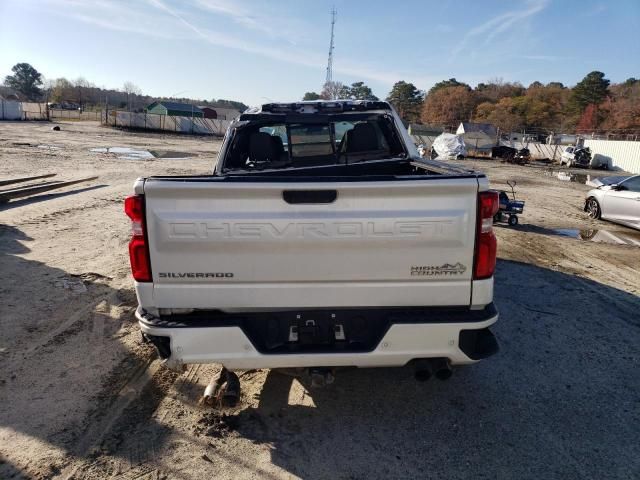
(26, 80)
(407, 100)
(591, 90)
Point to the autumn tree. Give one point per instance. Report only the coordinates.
(25, 80)
(506, 114)
(496, 89)
(448, 106)
(407, 100)
(544, 106)
(622, 109)
(589, 119)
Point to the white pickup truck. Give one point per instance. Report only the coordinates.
(321, 239)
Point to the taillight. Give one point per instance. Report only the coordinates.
(138, 248)
(486, 243)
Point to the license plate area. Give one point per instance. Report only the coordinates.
(316, 331)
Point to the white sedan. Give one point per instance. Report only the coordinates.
(619, 202)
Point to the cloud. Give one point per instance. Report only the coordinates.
(112, 15)
(289, 55)
(500, 24)
(161, 22)
(162, 6)
(244, 17)
(546, 58)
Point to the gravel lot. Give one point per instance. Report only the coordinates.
(81, 397)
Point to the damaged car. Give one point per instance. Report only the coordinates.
(618, 202)
(582, 157)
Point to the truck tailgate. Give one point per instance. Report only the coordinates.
(220, 245)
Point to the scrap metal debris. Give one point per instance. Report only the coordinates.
(215, 394)
(76, 286)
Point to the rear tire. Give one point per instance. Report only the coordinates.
(593, 208)
(513, 220)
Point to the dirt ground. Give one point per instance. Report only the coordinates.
(82, 397)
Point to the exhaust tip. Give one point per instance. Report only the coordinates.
(423, 370)
(444, 374)
(442, 367)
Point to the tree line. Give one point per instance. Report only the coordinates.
(80, 93)
(593, 104)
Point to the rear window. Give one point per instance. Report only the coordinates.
(265, 145)
(311, 140)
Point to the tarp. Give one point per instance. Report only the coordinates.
(448, 145)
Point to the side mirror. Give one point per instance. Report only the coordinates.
(617, 187)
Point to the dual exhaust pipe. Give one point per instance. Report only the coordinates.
(427, 367)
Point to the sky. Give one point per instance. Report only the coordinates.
(256, 51)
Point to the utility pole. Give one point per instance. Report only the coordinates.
(329, 78)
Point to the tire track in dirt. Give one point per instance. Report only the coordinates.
(47, 217)
(101, 306)
(110, 426)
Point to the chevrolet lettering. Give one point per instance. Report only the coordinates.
(311, 230)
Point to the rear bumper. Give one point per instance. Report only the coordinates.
(460, 335)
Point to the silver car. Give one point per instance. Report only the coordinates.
(619, 202)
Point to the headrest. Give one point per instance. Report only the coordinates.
(262, 148)
(362, 138)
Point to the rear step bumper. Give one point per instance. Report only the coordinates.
(365, 338)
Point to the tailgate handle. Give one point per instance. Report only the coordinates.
(309, 196)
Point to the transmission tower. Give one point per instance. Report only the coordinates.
(329, 78)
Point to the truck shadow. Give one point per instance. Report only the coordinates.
(559, 400)
(61, 354)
